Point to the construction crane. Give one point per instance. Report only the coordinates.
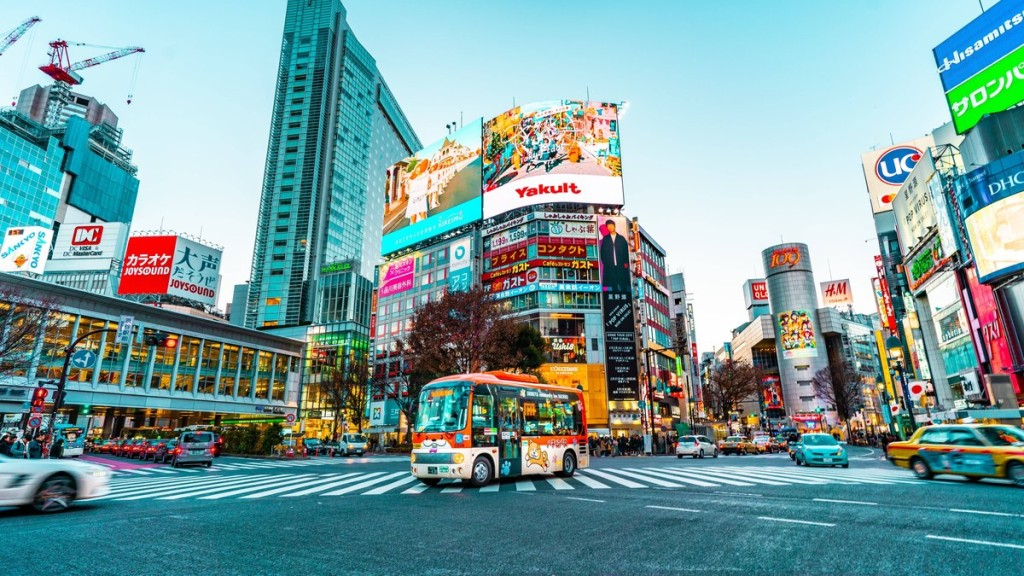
(17, 32)
(61, 69)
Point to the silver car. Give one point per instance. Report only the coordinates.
(696, 447)
(352, 444)
(194, 448)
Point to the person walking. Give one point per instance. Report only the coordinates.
(19, 449)
(35, 448)
(5, 444)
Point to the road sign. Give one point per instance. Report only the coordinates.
(83, 359)
(37, 409)
(124, 330)
(289, 418)
(894, 408)
(35, 422)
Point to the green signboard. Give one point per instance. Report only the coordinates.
(994, 89)
(336, 267)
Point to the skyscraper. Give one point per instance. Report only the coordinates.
(335, 129)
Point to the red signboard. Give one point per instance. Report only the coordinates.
(760, 290)
(508, 257)
(890, 313)
(539, 263)
(564, 250)
(988, 326)
(147, 265)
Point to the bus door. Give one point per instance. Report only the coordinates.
(510, 429)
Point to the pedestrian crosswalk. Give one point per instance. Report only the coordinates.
(273, 484)
(240, 464)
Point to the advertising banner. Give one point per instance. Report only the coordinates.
(796, 333)
(912, 206)
(886, 169)
(555, 151)
(888, 314)
(146, 268)
(25, 249)
(993, 207)
(925, 264)
(561, 250)
(772, 392)
(460, 272)
(617, 306)
(88, 247)
(980, 44)
(586, 377)
(196, 272)
(755, 292)
(836, 293)
(507, 258)
(433, 191)
(989, 326)
(506, 238)
(397, 277)
(561, 229)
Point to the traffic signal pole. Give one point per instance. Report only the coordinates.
(58, 396)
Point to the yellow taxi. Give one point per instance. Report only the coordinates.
(738, 445)
(975, 451)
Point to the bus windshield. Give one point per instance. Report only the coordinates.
(443, 408)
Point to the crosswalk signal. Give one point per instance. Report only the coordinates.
(168, 341)
(39, 398)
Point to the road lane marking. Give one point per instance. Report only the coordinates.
(525, 486)
(217, 488)
(748, 476)
(366, 484)
(590, 482)
(492, 487)
(792, 521)
(559, 484)
(331, 485)
(290, 482)
(673, 476)
(845, 502)
(453, 488)
(649, 479)
(969, 541)
(740, 494)
(417, 489)
(395, 484)
(620, 481)
(688, 476)
(674, 509)
(305, 483)
(584, 499)
(168, 487)
(962, 511)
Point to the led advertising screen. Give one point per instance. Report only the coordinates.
(433, 191)
(555, 151)
(996, 235)
(796, 331)
(617, 307)
(978, 64)
(886, 169)
(396, 277)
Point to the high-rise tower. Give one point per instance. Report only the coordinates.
(335, 129)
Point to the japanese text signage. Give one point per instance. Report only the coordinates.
(146, 268)
(460, 273)
(925, 264)
(397, 277)
(888, 315)
(978, 66)
(912, 207)
(195, 273)
(617, 306)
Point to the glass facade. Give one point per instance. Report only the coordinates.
(30, 173)
(104, 182)
(334, 130)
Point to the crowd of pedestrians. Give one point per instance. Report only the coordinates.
(632, 445)
(29, 446)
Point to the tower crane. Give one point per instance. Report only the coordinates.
(16, 33)
(61, 69)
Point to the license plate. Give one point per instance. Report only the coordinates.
(431, 469)
(444, 469)
(195, 452)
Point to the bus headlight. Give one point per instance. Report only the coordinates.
(413, 458)
(458, 458)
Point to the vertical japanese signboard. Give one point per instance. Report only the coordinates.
(460, 274)
(397, 277)
(888, 315)
(196, 271)
(617, 305)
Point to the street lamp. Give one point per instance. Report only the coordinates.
(894, 348)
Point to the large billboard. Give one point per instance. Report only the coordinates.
(796, 332)
(886, 169)
(755, 292)
(912, 207)
(25, 249)
(88, 247)
(837, 293)
(396, 277)
(993, 209)
(554, 151)
(617, 306)
(978, 66)
(433, 191)
(171, 265)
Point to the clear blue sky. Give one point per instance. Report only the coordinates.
(746, 124)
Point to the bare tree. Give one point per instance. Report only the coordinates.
(840, 386)
(22, 320)
(345, 389)
(730, 384)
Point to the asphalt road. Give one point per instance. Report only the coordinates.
(660, 515)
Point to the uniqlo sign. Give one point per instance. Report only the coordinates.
(147, 265)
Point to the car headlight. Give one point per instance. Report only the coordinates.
(100, 473)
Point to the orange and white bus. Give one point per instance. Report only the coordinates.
(481, 427)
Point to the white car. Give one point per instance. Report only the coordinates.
(50, 485)
(696, 446)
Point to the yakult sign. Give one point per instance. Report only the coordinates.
(885, 170)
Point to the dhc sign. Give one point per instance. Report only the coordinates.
(896, 164)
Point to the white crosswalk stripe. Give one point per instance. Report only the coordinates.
(280, 484)
(237, 464)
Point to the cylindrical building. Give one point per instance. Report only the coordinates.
(793, 299)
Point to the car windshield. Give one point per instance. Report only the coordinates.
(819, 440)
(689, 439)
(761, 440)
(311, 441)
(357, 438)
(734, 439)
(1003, 435)
(443, 408)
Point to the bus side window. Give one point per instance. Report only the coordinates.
(483, 428)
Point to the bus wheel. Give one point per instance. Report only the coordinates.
(568, 465)
(482, 473)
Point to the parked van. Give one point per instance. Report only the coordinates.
(194, 448)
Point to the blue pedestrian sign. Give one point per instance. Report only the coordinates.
(83, 359)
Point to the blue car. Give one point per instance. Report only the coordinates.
(820, 450)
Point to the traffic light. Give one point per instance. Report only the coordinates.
(58, 398)
(168, 341)
(819, 409)
(39, 398)
(86, 410)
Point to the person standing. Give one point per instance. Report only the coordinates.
(19, 449)
(614, 254)
(35, 448)
(5, 445)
